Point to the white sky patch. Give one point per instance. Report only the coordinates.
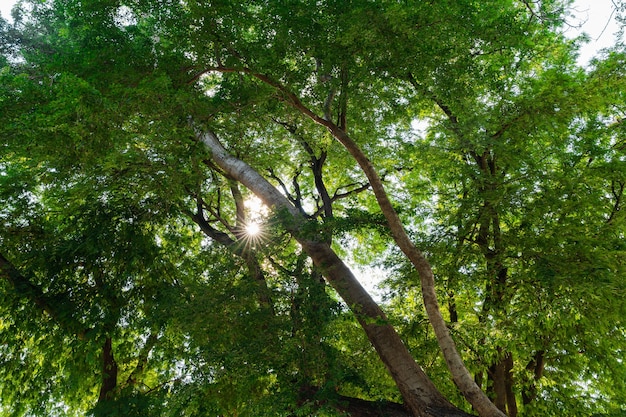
(256, 209)
(371, 278)
(5, 9)
(597, 20)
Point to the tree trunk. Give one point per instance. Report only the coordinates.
(511, 401)
(496, 376)
(109, 371)
(536, 366)
(501, 376)
(460, 374)
(419, 393)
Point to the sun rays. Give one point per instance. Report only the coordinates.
(254, 231)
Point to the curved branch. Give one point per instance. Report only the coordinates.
(460, 374)
(419, 393)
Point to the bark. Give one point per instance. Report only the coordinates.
(536, 366)
(419, 393)
(511, 402)
(109, 371)
(460, 375)
(497, 375)
(355, 407)
(501, 376)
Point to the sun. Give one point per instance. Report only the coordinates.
(253, 229)
(253, 235)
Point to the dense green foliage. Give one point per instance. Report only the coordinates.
(129, 286)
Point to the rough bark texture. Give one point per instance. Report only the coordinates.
(420, 395)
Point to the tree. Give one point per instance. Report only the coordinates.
(135, 131)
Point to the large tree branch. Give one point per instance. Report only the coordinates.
(109, 371)
(461, 376)
(419, 393)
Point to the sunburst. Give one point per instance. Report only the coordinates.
(254, 231)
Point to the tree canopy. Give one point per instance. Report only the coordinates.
(188, 189)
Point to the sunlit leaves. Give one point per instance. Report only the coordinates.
(100, 177)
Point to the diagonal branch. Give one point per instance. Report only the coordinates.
(419, 393)
(460, 374)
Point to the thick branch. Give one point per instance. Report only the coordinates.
(419, 393)
(239, 206)
(338, 196)
(460, 375)
(220, 237)
(109, 371)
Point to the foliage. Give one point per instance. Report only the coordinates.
(129, 286)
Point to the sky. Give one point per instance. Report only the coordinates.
(596, 15)
(598, 21)
(5, 8)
